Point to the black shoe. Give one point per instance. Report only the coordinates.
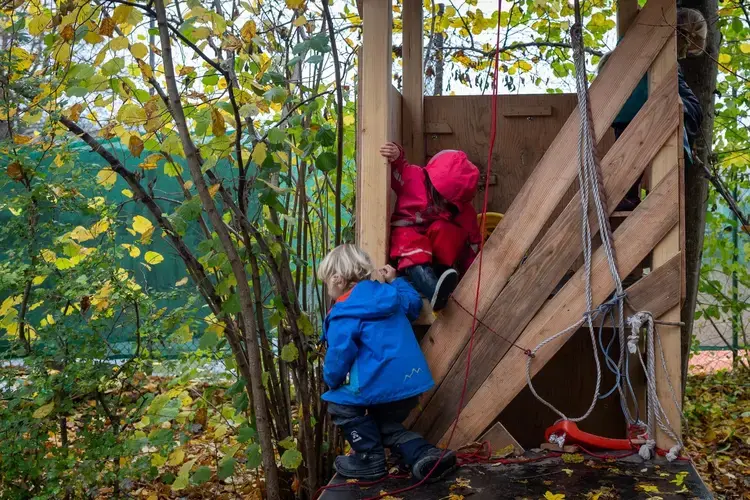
(443, 461)
(423, 278)
(362, 466)
(447, 282)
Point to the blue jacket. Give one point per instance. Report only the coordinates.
(370, 338)
(692, 112)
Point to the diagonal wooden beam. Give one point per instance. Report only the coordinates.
(657, 292)
(546, 186)
(533, 282)
(633, 240)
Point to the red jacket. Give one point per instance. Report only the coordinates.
(455, 178)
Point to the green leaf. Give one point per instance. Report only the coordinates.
(319, 43)
(325, 161)
(291, 459)
(246, 433)
(113, 66)
(315, 59)
(202, 475)
(289, 353)
(276, 94)
(208, 341)
(77, 91)
(326, 136)
(254, 458)
(211, 79)
(180, 483)
(288, 443)
(226, 467)
(276, 136)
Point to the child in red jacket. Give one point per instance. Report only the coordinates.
(434, 230)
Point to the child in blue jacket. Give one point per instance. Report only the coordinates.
(374, 367)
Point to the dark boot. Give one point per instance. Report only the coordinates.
(422, 457)
(437, 290)
(368, 461)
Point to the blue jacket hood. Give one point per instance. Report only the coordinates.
(368, 300)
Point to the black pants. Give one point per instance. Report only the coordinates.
(388, 417)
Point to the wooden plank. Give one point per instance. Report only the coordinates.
(525, 111)
(546, 186)
(657, 292)
(413, 83)
(640, 232)
(662, 71)
(499, 438)
(536, 279)
(437, 128)
(375, 129)
(627, 10)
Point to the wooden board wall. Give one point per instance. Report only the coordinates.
(526, 126)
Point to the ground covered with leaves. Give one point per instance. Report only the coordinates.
(717, 410)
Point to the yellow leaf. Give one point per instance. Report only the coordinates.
(524, 65)
(127, 192)
(553, 496)
(725, 58)
(348, 120)
(201, 33)
(153, 258)
(151, 161)
(81, 234)
(135, 145)
(213, 189)
(177, 457)
(217, 123)
(133, 250)
(248, 30)
(300, 21)
(259, 153)
(569, 472)
(220, 431)
(48, 256)
(122, 13)
(146, 237)
(153, 496)
(62, 54)
(157, 460)
(93, 37)
(106, 178)
(295, 4)
(745, 48)
(141, 224)
(38, 280)
(648, 488)
(99, 227)
(38, 24)
(43, 411)
(22, 139)
(119, 43)
(8, 303)
(182, 282)
(146, 71)
(139, 50)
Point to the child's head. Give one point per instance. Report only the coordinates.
(452, 178)
(692, 31)
(343, 267)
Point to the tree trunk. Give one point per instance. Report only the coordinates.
(700, 74)
(238, 268)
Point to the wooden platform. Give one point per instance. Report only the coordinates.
(628, 478)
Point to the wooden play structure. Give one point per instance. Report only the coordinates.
(533, 182)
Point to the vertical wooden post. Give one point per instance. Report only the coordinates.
(627, 10)
(665, 68)
(413, 87)
(373, 182)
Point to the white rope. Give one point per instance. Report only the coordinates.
(591, 192)
(656, 416)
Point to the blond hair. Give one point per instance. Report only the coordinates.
(692, 30)
(348, 261)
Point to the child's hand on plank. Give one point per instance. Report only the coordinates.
(390, 152)
(387, 274)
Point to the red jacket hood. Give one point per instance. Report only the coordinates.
(453, 176)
